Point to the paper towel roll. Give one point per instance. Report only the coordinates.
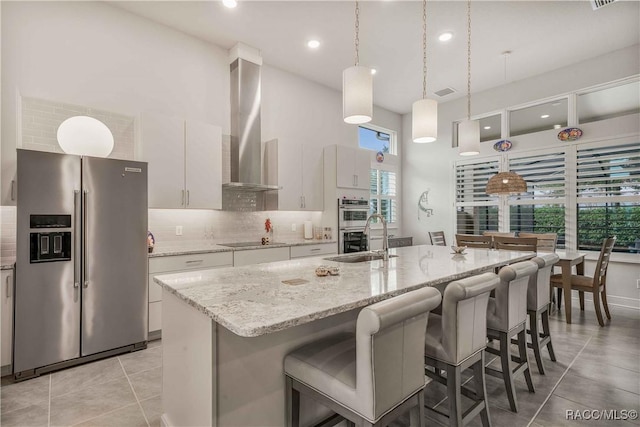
(308, 230)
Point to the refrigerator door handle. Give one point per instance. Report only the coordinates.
(85, 228)
(76, 254)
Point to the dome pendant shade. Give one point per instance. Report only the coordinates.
(506, 183)
(424, 121)
(357, 95)
(469, 137)
(85, 136)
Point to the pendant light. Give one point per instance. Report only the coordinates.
(506, 183)
(357, 87)
(85, 136)
(469, 130)
(424, 117)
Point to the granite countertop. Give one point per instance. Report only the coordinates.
(253, 300)
(212, 246)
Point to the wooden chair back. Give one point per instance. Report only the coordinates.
(515, 243)
(600, 273)
(473, 241)
(437, 238)
(547, 242)
(498, 233)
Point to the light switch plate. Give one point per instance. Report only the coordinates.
(178, 230)
(293, 227)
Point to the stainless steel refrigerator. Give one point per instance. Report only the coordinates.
(81, 262)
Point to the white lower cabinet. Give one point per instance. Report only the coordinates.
(178, 264)
(314, 250)
(259, 256)
(6, 318)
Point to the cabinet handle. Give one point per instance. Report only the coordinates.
(182, 202)
(8, 281)
(195, 261)
(301, 205)
(187, 197)
(304, 202)
(315, 249)
(85, 231)
(356, 180)
(13, 189)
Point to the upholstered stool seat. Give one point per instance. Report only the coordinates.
(372, 376)
(506, 317)
(538, 302)
(455, 341)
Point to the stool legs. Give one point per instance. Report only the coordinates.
(540, 339)
(454, 395)
(507, 373)
(293, 404)
(481, 390)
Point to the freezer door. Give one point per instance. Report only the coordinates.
(114, 283)
(47, 301)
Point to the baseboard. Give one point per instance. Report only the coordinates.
(6, 370)
(626, 302)
(155, 335)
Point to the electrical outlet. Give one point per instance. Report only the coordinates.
(178, 230)
(293, 227)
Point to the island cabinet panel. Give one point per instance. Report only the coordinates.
(313, 250)
(177, 264)
(185, 169)
(259, 256)
(7, 321)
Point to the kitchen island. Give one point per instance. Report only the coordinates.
(226, 331)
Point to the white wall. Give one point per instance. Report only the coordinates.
(431, 165)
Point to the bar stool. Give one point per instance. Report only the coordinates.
(456, 340)
(538, 307)
(372, 377)
(506, 317)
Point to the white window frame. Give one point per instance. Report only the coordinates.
(378, 197)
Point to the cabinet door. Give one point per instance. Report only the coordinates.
(345, 167)
(362, 168)
(203, 165)
(163, 148)
(312, 178)
(290, 172)
(6, 318)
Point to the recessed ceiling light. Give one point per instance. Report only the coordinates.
(230, 3)
(313, 44)
(446, 36)
(544, 116)
(487, 127)
(373, 71)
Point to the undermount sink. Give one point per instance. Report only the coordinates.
(358, 257)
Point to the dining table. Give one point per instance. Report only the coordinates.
(568, 259)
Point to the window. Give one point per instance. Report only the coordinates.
(549, 115)
(476, 211)
(610, 102)
(608, 190)
(377, 139)
(541, 208)
(383, 201)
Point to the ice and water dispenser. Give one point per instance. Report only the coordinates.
(48, 242)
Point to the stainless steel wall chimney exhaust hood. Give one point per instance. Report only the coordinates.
(246, 142)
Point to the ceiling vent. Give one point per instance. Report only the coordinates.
(597, 4)
(444, 92)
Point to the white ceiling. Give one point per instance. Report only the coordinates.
(542, 36)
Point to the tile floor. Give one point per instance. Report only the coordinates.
(597, 368)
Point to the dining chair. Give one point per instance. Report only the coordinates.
(474, 241)
(547, 242)
(597, 285)
(506, 318)
(437, 238)
(456, 341)
(515, 243)
(371, 377)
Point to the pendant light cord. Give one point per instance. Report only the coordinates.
(424, 49)
(469, 59)
(357, 38)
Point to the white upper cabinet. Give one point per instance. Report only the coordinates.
(300, 176)
(185, 169)
(353, 167)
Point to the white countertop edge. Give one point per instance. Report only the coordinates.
(218, 248)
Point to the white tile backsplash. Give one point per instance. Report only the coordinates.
(7, 234)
